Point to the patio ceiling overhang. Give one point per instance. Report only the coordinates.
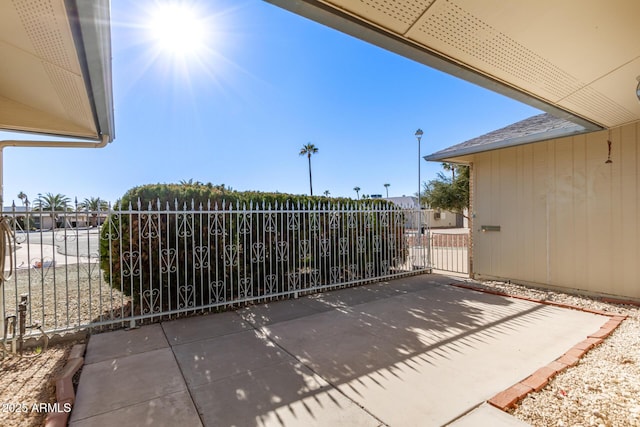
(55, 68)
(576, 59)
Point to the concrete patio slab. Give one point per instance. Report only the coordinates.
(170, 410)
(112, 385)
(285, 394)
(212, 359)
(487, 415)
(406, 344)
(352, 296)
(197, 328)
(122, 343)
(414, 351)
(279, 311)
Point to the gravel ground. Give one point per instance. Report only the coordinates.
(72, 295)
(28, 381)
(603, 389)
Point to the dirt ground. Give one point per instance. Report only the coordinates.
(27, 382)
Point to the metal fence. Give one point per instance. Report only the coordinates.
(450, 251)
(90, 269)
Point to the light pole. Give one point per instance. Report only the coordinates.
(419, 137)
(426, 261)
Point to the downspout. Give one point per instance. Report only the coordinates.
(44, 144)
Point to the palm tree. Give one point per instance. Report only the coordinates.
(52, 203)
(309, 149)
(386, 186)
(326, 193)
(94, 205)
(22, 196)
(357, 190)
(190, 181)
(450, 167)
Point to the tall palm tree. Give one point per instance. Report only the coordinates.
(326, 193)
(357, 190)
(386, 186)
(450, 167)
(94, 205)
(52, 203)
(22, 196)
(309, 149)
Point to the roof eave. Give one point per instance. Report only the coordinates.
(348, 24)
(92, 33)
(506, 143)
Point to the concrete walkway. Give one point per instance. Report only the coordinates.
(410, 352)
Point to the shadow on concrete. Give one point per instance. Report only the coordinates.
(317, 356)
(412, 351)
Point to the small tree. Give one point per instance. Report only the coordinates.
(451, 194)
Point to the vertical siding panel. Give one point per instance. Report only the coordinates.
(482, 203)
(550, 184)
(579, 224)
(627, 265)
(510, 215)
(563, 263)
(539, 242)
(494, 217)
(525, 213)
(599, 221)
(616, 209)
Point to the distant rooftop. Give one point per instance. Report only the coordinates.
(534, 129)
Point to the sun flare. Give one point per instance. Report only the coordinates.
(177, 29)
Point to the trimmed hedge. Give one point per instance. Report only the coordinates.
(172, 246)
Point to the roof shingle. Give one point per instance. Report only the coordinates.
(534, 129)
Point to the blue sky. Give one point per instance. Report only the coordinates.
(238, 111)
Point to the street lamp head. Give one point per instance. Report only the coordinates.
(419, 133)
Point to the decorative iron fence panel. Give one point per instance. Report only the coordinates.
(96, 269)
(450, 251)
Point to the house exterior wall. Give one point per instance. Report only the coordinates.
(442, 219)
(567, 219)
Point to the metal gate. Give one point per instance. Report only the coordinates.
(450, 250)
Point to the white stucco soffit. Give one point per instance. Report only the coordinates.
(576, 59)
(55, 67)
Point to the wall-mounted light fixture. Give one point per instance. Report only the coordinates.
(638, 88)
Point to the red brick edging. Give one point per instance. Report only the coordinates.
(65, 395)
(535, 382)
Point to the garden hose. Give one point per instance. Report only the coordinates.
(5, 248)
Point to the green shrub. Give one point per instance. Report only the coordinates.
(172, 247)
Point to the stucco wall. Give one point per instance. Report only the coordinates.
(566, 217)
